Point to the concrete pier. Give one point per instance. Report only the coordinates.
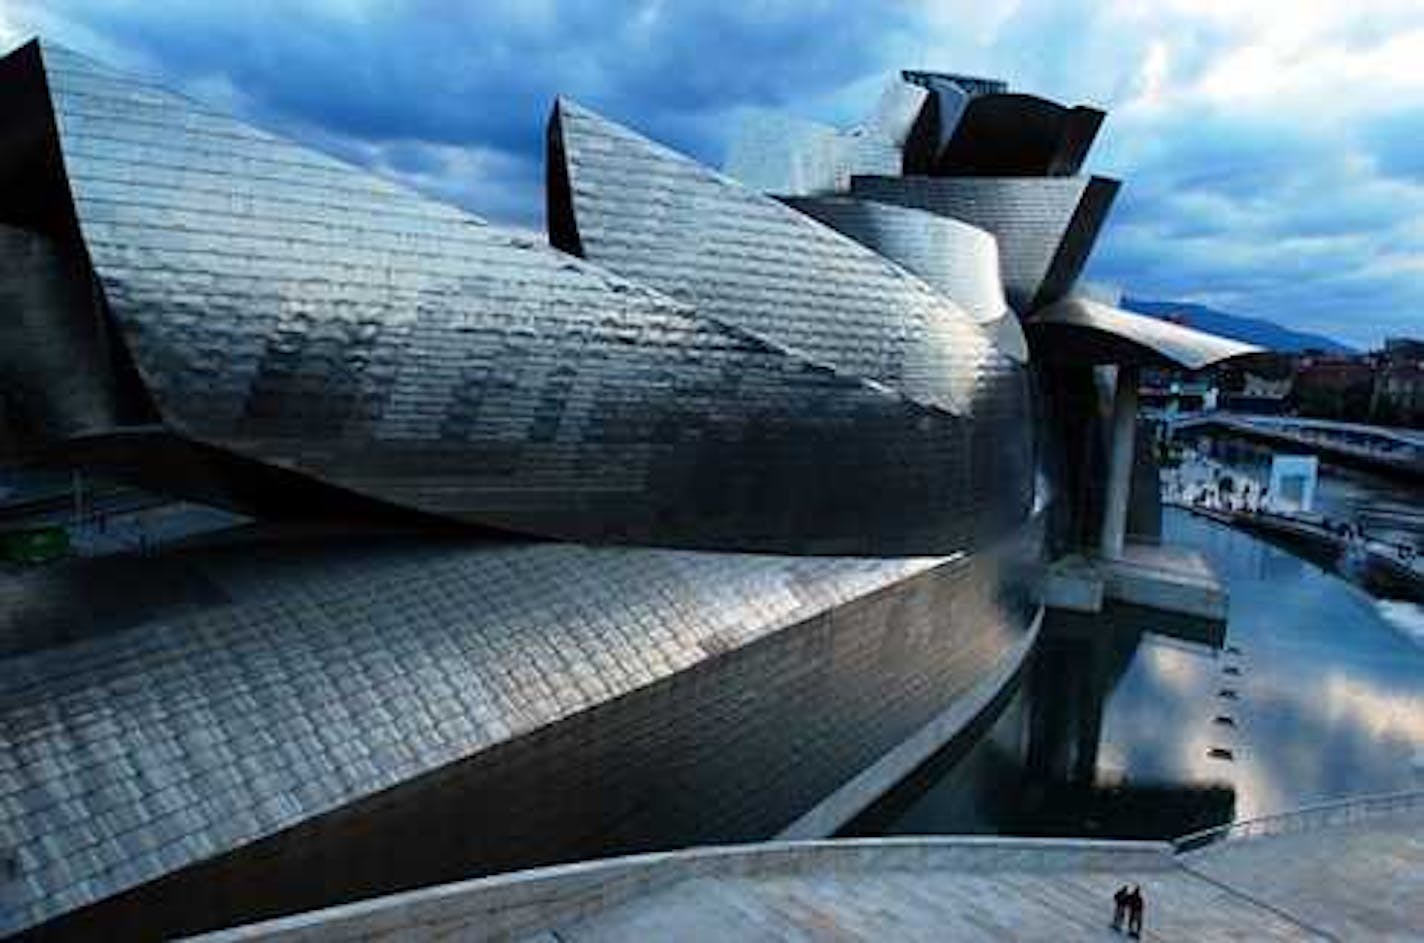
(1168, 579)
(1348, 871)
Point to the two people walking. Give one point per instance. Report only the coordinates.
(1127, 902)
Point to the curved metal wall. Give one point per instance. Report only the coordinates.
(263, 685)
(958, 260)
(1011, 134)
(775, 153)
(749, 262)
(280, 712)
(1046, 227)
(58, 376)
(297, 312)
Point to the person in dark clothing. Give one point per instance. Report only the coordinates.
(1134, 912)
(1119, 907)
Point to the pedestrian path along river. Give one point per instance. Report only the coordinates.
(1351, 875)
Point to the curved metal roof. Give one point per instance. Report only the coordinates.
(1081, 331)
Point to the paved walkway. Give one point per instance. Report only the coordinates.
(1364, 881)
(1361, 879)
(931, 905)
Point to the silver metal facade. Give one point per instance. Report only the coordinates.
(900, 107)
(1086, 331)
(297, 312)
(777, 153)
(747, 261)
(280, 681)
(704, 368)
(327, 676)
(1046, 227)
(750, 263)
(1016, 135)
(54, 356)
(956, 259)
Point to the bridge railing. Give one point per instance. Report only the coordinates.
(1308, 818)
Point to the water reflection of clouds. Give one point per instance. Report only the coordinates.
(1330, 695)
(1331, 698)
(1177, 669)
(1385, 715)
(1325, 737)
(1157, 724)
(1407, 617)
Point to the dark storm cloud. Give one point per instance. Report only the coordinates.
(1264, 208)
(485, 74)
(1268, 215)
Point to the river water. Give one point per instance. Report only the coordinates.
(1135, 726)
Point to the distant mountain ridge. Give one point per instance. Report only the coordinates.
(1256, 331)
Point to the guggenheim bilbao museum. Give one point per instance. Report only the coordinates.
(669, 531)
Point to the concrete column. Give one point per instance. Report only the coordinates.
(1119, 483)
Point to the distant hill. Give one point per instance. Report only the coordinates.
(1266, 334)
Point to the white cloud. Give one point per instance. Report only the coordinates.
(10, 31)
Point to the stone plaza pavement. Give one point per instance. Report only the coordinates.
(1356, 880)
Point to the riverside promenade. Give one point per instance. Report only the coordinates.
(1390, 450)
(1342, 871)
(1404, 574)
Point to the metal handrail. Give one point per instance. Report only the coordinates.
(1321, 815)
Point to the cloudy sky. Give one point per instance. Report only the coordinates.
(1273, 150)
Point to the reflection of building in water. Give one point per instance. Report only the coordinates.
(1037, 770)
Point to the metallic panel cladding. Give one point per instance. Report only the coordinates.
(303, 314)
(958, 260)
(54, 350)
(1046, 227)
(1017, 135)
(947, 97)
(1077, 330)
(898, 110)
(264, 685)
(749, 262)
(281, 324)
(777, 153)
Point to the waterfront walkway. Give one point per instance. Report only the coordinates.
(1408, 570)
(1381, 448)
(1348, 871)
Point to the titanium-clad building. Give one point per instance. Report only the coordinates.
(661, 533)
